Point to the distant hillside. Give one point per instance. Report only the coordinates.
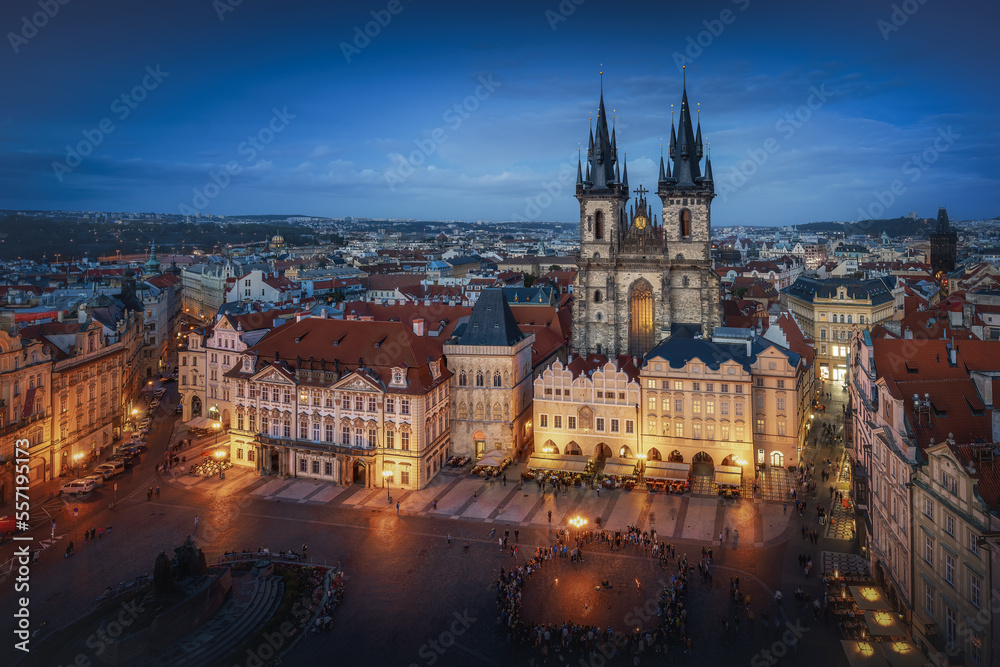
(894, 227)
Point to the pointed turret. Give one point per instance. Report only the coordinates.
(688, 147)
(663, 173)
(602, 156)
(697, 142)
(943, 224)
(625, 174)
(708, 171)
(579, 172)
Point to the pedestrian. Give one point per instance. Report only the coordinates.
(493, 533)
(397, 508)
(727, 533)
(550, 516)
(517, 535)
(505, 480)
(449, 539)
(434, 504)
(86, 536)
(784, 507)
(720, 538)
(500, 542)
(475, 496)
(736, 535)
(195, 523)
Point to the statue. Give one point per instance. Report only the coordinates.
(163, 581)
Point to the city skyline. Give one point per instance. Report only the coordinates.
(452, 113)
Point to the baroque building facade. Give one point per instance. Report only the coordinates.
(638, 279)
(342, 401)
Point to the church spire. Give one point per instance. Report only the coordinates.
(625, 172)
(579, 170)
(686, 149)
(602, 158)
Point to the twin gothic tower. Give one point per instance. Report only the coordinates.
(639, 279)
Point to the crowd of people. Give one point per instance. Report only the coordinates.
(669, 631)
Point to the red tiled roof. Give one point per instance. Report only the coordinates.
(380, 345)
(987, 470)
(584, 365)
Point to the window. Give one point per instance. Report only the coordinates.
(725, 431)
(759, 425)
(678, 385)
(359, 438)
(651, 401)
(664, 384)
(760, 402)
(372, 437)
(709, 386)
(949, 483)
(709, 407)
(462, 379)
(759, 382)
(303, 465)
(739, 408)
(614, 426)
(928, 508)
(929, 600)
(239, 454)
(973, 543)
(724, 408)
(345, 436)
(949, 524)
(975, 589)
(303, 430)
(329, 433)
(724, 388)
(739, 389)
(497, 381)
(479, 379)
(345, 402)
(239, 421)
(695, 386)
(696, 406)
(404, 476)
(390, 405)
(286, 428)
(679, 429)
(359, 403)
(929, 550)
(404, 406)
(781, 402)
(390, 439)
(949, 568)
(781, 384)
(599, 424)
(543, 421)
(316, 432)
(665, 404)
(315, 467)
(781, 427)
(950, 625)
(571, 422)
(696, 431)
(328, 468)
(679, 405)
(404, 441)
(556, 421)
(629, 426)
(975, 647)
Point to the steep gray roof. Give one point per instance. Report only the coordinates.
(491, 322)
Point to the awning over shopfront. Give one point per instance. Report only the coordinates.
(728, 475)
(883, 623)
(572, 463)
(902, 654)
(869, 598)
(863, 654)
(202, 422)
(667, 470)
(621, 467)
(494, 458)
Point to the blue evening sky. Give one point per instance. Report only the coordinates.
(475, 110)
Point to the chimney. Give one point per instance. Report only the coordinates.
(418, 326)
(81, 314)
(322, 313)
(953, 355)
(749, 346)
(59, 316)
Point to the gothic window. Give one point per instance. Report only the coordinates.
(686, 282)
(597, 296)
(479, 379)
(497, 379)
(848, 319)
(462, 412)
(496, 411)
(479, 411)
(685, 220)
(640, 319)
(462, 380)
(506, 378)
(599, 225)
(599, 318)
(489, 413)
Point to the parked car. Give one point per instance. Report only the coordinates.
(77, 487)
(8, 526)
(114, 466)
(123, 458)
(97, 478)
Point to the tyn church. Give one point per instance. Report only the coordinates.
(640, 279)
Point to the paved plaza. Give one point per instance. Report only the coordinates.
(405, 578)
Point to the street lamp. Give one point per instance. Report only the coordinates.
(387, 477)
(76, 461)
(578, 522)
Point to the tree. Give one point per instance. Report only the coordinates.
(338, 295)
(555, 267)
(529, 279)
(740, 291)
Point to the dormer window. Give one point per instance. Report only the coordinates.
(247, 365)
(398, 377)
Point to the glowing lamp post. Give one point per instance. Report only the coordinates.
(387, 476)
